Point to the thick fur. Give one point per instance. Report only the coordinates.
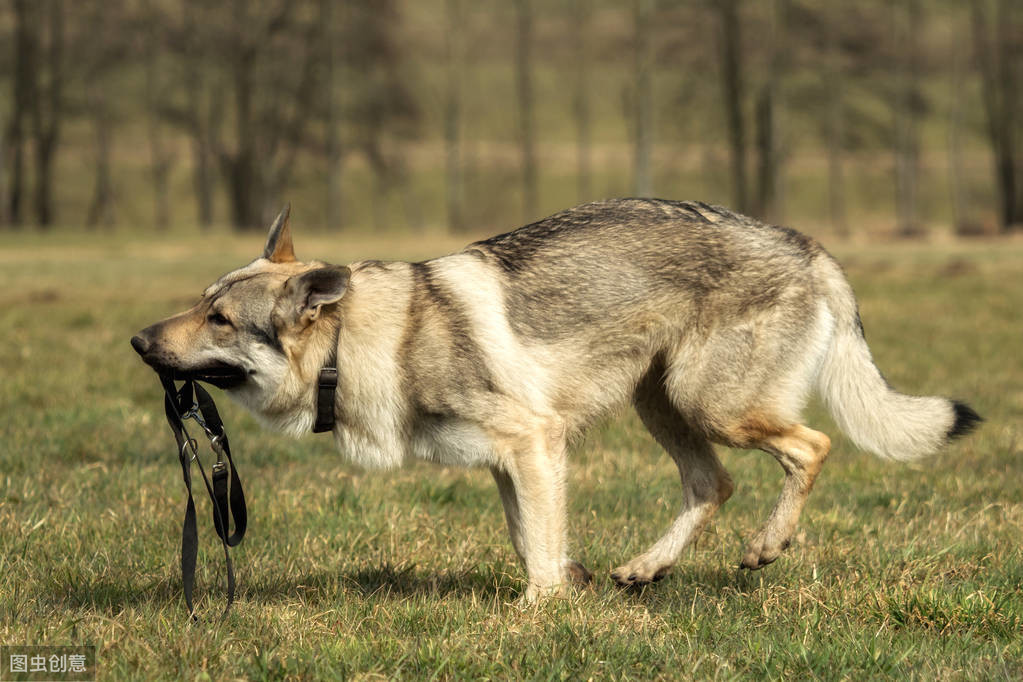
(716, 327)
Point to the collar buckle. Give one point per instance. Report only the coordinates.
(326, 387)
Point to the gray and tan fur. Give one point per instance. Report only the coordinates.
(714, 326)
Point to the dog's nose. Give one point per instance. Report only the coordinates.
(139, 344)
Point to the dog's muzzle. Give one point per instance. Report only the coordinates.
(219, 374)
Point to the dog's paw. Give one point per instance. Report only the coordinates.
(637, 573)
(536, 593)
(761, 551)
(577, 573)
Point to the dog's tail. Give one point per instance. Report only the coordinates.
(875, 416)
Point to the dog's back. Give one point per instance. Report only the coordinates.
(736, 319)
(729, 311)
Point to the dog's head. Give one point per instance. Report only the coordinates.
(257, 331)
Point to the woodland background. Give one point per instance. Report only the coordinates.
(879, 117)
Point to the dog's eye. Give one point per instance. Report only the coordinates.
(218, 319)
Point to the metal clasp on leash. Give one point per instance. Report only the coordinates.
(190, 444)
(216, 439)
(195, 415)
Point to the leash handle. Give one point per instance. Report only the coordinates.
(188, 403)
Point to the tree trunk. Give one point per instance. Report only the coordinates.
(24, 94)
(907, 144)
(960, 195)
(836, 147)
(160, 158)
(4, 219)
(452, 115)
(335, 184)
(769, 159)
(582, 11)
(244, 179)
(766, 152)
(203, 177)
(524, 83)
(243, 195)
(381, 181)
(999, 84)
(410, 200)
(332, 137)
(202, 116)
(643, 103)
(834, 127)
(47, 114)
(267, 132)
(732, 91)
(102, 204)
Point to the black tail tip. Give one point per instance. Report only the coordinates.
(966, 420)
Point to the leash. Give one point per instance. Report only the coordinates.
(193, 402)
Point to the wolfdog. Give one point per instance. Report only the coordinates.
(714, 326)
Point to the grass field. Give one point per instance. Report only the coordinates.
(896, 573)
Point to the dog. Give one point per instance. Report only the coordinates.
(714, 326)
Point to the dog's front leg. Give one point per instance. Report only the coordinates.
(535, 469)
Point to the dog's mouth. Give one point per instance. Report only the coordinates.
(219, 374)
(216, 372)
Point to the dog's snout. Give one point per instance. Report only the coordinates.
(140, 344)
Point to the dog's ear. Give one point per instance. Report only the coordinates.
(278, 247)
(306, 294)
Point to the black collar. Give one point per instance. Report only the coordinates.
(326, 391)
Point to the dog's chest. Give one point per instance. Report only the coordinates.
(452, 442)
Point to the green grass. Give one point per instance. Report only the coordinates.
(896, 572)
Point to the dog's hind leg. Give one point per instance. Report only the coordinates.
(705, 484)
(801, 452)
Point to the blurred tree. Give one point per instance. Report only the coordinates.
(731, 50)
(642, 93)
(47, 105)
(38, 103)
(524, 90)
(961, 220)
(269, 51)
(769, 153)
(454, 58)
(380, 104)
(23, 93)
(845, 50)
(998, 44)
(205, 96)
(332, 118)
(4, 201)
(93, 64)
(581, 20)
(6, 67)
(907, 106)
(157, 84)
(257, 88)
(833, 75)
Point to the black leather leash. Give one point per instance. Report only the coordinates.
(193, 402)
